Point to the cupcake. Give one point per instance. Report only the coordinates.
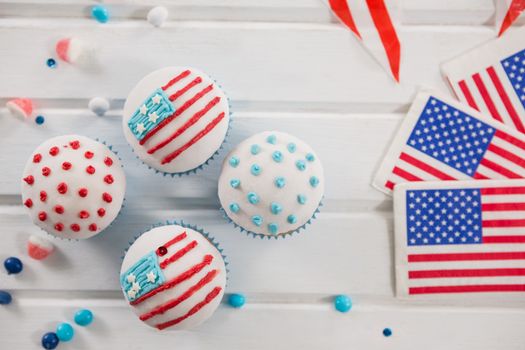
(173, 277)
(176, 119)
(73, 187)
(271, 184)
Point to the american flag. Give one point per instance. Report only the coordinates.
(491, 79)
(460, 237)
(441, 140)
(145, 282)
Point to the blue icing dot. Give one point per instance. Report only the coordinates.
(300, 164)
(277, 156)
(275, 208)
(255, 169)
(292, 219)
(273, 228)
(234, 161)
(314, 181)
(343, 303)
(291, 147)
(280, 182)
(257, 220)
(255, 149)
(301, 198)
(310, 157)
(234, 207)
(253, 198)
(235, 183)
(271, 139)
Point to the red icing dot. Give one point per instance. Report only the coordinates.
(59, 226)
(101, 212)
(29, 179)
(74, 144)
(46, 171)
(107, 197)
(93, 227)
(66, 165)
(62, 188)
(83, 214)
(90, 169)
(37, 158)
(28, 203)
(43, 196)
(108, 161)
(59, 209)
(108, 179)
(83, 192)
(54, 151)
(88, 154)
(75, 227)
(42, 216)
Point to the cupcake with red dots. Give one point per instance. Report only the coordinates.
(73, 187)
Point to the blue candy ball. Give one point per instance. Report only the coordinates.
(51, 63)
(5, 298)
(83, 317)
(65, 332)
(13, 265)
(343, 303)
(236, 300)
(50, 340)
(100, 13)
(387, 332)
(39, 120)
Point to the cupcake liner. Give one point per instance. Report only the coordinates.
(281, 235)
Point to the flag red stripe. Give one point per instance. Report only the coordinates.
(178, 254)
(196, 138)
(182, 91)
(405, 175)
(466, 92)
(177, 112)
(186, 275)
(176, 79)
(468, 289)
(425, 167)
(509, 138)
(515, 8)
(507, 155)
(479, 176)
(342, 11)
(505, 99)
(502, 206)
(390, 185)
(162, 308)
(466, 273)
(174, 240)
(208, 299)
(503, 223)
(502, 190)
(414, 258)
(387, 34)
(486, 97)
(503, 239)
(499, 169)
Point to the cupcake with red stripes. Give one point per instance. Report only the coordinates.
(173, 276)
(73, 187)
(176, 119)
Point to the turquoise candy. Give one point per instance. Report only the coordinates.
(234, 207)
(100, 13)
(277, 156)
(65, 332)
(300, 164)
(342, 303)
(236, 300)
(271, 139)
(314, 181)
(255, 149)
(83, 317)
(275, 208)
(292, 219)
(301, 198)
(257, 220)
(310, 157)
(291, 147)
(273, 228)
(234, 161)
(255, 169)
(235, 183)
(280, 182)
(253, 198)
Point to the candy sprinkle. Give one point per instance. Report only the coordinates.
(50, 341)
(51, 63)
(40, 119)
(236, 300)
(83, 317)
(13, 265)
(342, 303)
(387, 332)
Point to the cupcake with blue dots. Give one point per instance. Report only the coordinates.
(271, 184)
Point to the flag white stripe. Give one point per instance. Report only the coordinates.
(507, 164)
(461, 265)
(466, 248)
(496, 99)
(511, 93)
(465, 281)
(519, 152)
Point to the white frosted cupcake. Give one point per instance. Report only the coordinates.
(271, 184)
(176, 119)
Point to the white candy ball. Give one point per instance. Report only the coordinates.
(99, 105)
(157, 16)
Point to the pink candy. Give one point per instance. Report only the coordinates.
(39, 248)
(20, 107)
(69, 49)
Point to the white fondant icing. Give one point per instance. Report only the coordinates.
(203, 149)
(75, 178)
(296, 182)
(150, 241)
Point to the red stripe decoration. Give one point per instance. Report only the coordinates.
(510, 139)
(502, 206)
(466, 92)
(487, 191)
(515, 9)
(425, 167)
(468, 289)
(342, 11)
(176, 79)
(174, 240)
(504, 239)
(405, 175)
(507, 155)
(504, 223)
(182, 91)
(467, 273)
(178, 254)
(486, 97)
(390, 185)
(499, 169)
(479, 176)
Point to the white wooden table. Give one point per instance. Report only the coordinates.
(286, 65)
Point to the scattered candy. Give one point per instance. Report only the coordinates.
(157, 16)
(38, 247)
(236, 300)
(343, 303)
(83, 317)
(98, 105)
(50, 340)
(13, 265)
(387, 332)
(70, 49)
(5, 298)
(40, 119)
(100, 13)
(65, 332)
(20, 107)
(51, 63)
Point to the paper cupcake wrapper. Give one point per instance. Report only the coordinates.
(281, 235)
